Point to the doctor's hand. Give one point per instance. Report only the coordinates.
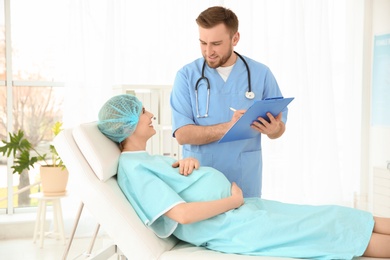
(186, 166)
(237, 114)
(273, 129)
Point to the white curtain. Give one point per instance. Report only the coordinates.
(314, 48)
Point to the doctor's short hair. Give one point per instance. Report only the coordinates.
(216, 15)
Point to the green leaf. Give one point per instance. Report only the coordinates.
(20, 148)
(23, 162)
(16, 144)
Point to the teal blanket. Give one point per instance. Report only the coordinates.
(259, 227)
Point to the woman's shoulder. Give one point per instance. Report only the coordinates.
(145, 155)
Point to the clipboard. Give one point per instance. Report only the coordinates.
(241, 129)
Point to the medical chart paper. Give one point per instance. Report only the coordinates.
(242, 128)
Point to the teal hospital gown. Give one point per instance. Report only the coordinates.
(259, 227)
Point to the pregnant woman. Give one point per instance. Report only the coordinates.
(200, 206)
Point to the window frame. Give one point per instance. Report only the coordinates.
(9, 84)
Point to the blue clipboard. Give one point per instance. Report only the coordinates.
(241, 129)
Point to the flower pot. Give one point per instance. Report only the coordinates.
(53, 180)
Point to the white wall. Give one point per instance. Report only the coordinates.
(380, 136)
(376, 139)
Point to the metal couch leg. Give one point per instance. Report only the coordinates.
(66, 252)
(88, 253)
(102, 254)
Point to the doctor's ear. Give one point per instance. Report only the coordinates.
(236, 38)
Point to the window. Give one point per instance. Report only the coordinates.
(31, 88)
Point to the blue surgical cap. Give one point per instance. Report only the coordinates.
(119, 117)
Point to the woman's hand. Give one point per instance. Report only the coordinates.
(190, 212)
(237, 195)
(186, 166)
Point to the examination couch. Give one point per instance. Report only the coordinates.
(92, 159)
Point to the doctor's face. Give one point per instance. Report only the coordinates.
(217, 45)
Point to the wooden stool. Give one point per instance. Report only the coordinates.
(58, 230)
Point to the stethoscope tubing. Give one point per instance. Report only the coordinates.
(249, 94)
(207, 80)
(247, 70)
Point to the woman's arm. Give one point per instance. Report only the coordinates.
(186, 213)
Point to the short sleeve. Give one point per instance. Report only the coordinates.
(150, 197)
(180, 101)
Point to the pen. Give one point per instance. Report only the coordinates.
(232, 109)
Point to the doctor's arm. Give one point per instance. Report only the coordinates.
(190, 212)
(198, 135)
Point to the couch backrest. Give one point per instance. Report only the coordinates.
(101, 153)
(92, 159)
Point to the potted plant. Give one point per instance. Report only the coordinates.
(54, 175)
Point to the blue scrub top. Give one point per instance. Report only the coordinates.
(240, 161)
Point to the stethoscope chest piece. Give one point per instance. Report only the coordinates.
(249, 95)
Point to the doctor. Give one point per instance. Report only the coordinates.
(206, 89)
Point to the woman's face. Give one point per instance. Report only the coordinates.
(145, 127)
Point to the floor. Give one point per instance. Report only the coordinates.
(25, 249)
(16, 236)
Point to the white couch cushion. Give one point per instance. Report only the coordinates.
(101, 153)
(106, 202)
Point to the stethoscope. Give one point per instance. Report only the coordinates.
(249, 94)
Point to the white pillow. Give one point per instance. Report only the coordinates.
(101, 153)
